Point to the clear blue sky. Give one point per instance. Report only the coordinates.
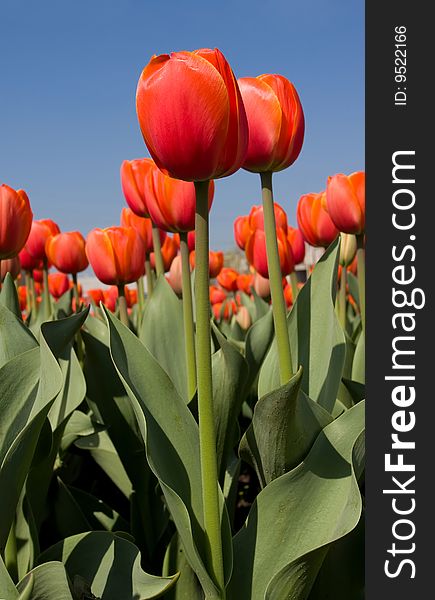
(68, 75)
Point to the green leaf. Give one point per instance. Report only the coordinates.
(15, 337)
(109, 564)
(353, 286)
(9, 296)
(317, 340)
(261, 306)
(285, 424)
(162, 332)
(230, 373)
(63, 306)
(300, 513)
(188, 587)
(96, 512)
(171, 439)
(358, 366)
(79, 425)
(8, 591)
(46, 582)
(258, 340)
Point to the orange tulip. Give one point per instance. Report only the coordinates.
(116, 254)
(245, 282)
(227, 278)
(257, 256)
(28, 262)
(215, 262)
(66, 251)
(169, 252)
(256, 217)
(276, 122)
(288, 295)
(143, 226)
(191, 115)
(58, 284)
(297, 243)
(133, 174)
(345, 199)
(172, 202)
(314, 222)
(224, 310)
(10, 265)
(96, 295)
(242, 231)
(130, 296)
(22, 297)
(217, 294)
(15, 220)
(39, 234)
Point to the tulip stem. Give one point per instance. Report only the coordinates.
(76, 291)
(360, 254)
(294, 284)
(79, 340)
(207, 434)
(149, 275)
(275, 278)
(342, 298)
(189, 331)
(33, 302)
(141, 298)
(46, 298)
(160, 269)
(122, 304)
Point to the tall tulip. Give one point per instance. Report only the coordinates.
(116, 255)
(257, 255)
(276, 132)
(314, 222)
(58, 284)
(15, 220)
(194, 124)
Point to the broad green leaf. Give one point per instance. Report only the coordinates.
(358, 367)
(9, 296)
(300, 513)
(162, 332)
(26, 535)
(8, 591)
(316, 338)
(15, 337)
(96, 512)
(109, 564)
(63, 306)
(258, 340)
(46, 582)
(285, 424)
(79, 425)
(187, 587)
(230, 373)
(171, 438)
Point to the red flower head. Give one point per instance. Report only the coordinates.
(170, 248)
(297, 243)
(227, 278)
(143, 226)
(58, 284)
(15, 220)
(191, 115)
(242, 231)
(314, 222)
(345, 200)
(275, 120)
(116, 254)
(257, 256)
(132, 182)
(66, 251)
(39, 234)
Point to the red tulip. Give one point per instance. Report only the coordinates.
(170, 248)
(275, 120)
(191, 115)
(58, 284)
(257, 255)
(28, 262)
(66, 251)
(224, 310)
(10, 265)
(143, 226)
(345, 199)
(175, 275)
(227, 278)
(288, 295)
(172, 202)
(297, 243)
(242, 231)
(15, 220)
(256, 217)
(215, 262)
(132, 182)
(39, 234)
(217, 294)
(22, 297)
(96, 295)
(314, 222)
(245, 282)
(116, 254)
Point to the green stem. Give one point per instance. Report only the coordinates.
(149, 275)
(189, 331)
(294, 284)
(207, 435)
(34, 304)
(79, 340)
(275, 279)
(360, 253)
(160, 268)
(122, 304)
(342, 299)
(141, 298)
(46, 297)
(11, 562)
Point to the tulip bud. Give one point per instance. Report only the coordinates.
(175, 276)
(243, 318)
(192, 116)
(261, 286)
(345, 199)
(275, 120)
(15, 221)
(348, 248)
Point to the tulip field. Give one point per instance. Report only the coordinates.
(193, 428)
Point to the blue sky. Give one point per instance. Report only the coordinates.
(69, 71)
